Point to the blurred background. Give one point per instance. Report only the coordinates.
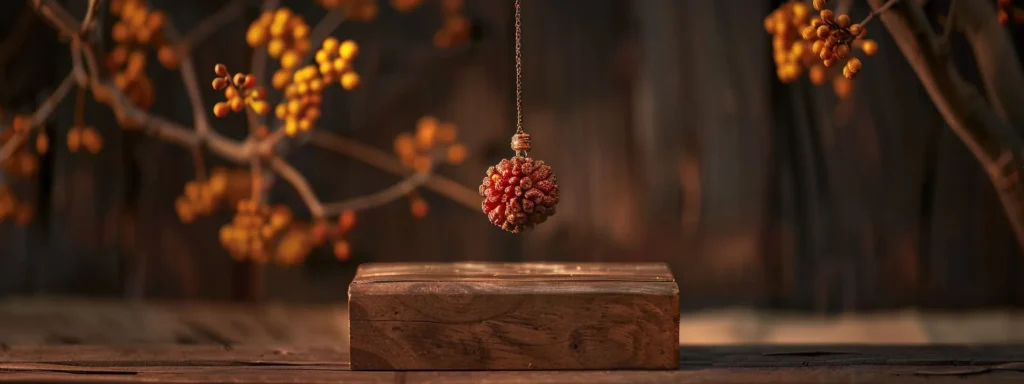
(672, 137)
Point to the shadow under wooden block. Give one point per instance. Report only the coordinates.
(513, 316)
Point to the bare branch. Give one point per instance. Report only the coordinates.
(90, 15)
(947, 30)
(996, 59)
(301, 185)
(211, 24)
(38, 117)
(380, 198)
(878, 10)
(388, 163)
(965, 111)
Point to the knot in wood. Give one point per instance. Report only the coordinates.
(521, 142)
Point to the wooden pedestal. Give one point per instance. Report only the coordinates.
(513, 316)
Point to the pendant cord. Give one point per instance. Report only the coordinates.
(519, 72)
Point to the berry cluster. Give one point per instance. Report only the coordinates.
(137, 26)
(791, 54)
(832, 37)
(84, 137)
(24, 163)
(293, 246)
(455, 27)
(300, 108)
(1006, 9)
(334, 60)
(415, 151)
(358, 10)
(336, 234)
(200, 198)
(10, 207)
(253, 230)
(519, 193)
(240, 91)
(802, 41)
(285, 34)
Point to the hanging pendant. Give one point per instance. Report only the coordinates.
(519, 192)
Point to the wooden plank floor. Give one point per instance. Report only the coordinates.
(95, 341)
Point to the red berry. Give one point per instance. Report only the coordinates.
(519, 193)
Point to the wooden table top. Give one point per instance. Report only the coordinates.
(733, 364)
(91, 341)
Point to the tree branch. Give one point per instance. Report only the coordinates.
(878, 10)
(996, 58)
(38, 117)
(384, 161)
(211, 24)
(90, 15)
(990, 140)
(301, 185)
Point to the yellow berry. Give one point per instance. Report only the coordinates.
(330, 44)
(255, 36)
(870, 47)
(348, 50)
(349, 81)
(281, 111)
(289, 59)
(291, 127)
(300, 31)
(280, 79)
(322, 56)
(275, 48)
(260, 107)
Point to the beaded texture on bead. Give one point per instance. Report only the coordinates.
(520, 192)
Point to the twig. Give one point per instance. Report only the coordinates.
(377, 199)
(256, 176)
(877, 11)
(996, 58)
(211, 24)
(90, 15)
(301, 185)
(122, 107)
(388, 163)
(947, 30)
(38, 117)
(323, 29)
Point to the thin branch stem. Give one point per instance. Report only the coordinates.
(38, 117)
(877, 11)
(380, 198)
(301, 185)
(212, 24)
(947, 30)
(90, 15)
(388, 163)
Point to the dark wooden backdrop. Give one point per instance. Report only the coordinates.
(671, 138)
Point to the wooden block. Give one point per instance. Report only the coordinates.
(513, 316)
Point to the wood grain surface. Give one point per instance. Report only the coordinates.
(735, 364)
(593, 316)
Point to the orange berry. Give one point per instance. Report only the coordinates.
(348, 50)
(346, 221)
(349, 81)
(819, 5)
(342, 250)
(221, 109)
(220, 70)
(419, 208)
(219, 83)
(870, 47)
